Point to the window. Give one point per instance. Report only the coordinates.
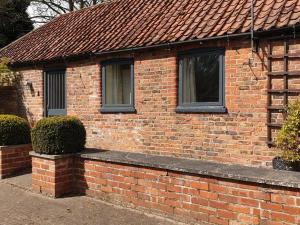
(201, 81)
(117, 86)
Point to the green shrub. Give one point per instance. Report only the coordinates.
(58, 135)
(13, 130)
(7, 77)
(287, 138)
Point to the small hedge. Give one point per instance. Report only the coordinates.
(58, 135)
(14, 130)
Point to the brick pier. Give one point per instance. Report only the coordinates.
(52, 175)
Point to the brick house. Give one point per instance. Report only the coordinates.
(191, 79)
(161, 84)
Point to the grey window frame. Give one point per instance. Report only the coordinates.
(201, 107)
(117, 108)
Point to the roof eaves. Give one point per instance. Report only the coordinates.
(139, 48)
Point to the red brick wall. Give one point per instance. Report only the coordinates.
(30, 99)
(14, 159)
(237, 137)
(187, 197)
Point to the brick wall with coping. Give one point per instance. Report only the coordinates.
(180, 196)
(14, 159)
(236, 137)
(186, 197)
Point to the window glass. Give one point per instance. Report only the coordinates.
(118, 84)
(201, 78)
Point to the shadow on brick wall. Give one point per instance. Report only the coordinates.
(12, 99)
(9, 100)
(23, 111)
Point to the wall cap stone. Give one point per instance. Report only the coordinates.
(5, 147)
(52, 157)
(197, 167)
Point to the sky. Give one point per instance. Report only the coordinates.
(29, 10)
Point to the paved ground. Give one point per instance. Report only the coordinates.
(19, 206)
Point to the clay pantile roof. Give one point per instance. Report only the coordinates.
(124, 24)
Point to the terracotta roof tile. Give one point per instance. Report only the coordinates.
(124, 24)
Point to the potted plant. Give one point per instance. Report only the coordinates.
(288, 140)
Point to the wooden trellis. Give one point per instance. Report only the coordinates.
(286, 92)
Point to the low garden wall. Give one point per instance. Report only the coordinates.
(14, 159)
(185, 190)
(14, 145)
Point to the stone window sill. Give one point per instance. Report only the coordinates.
(201, 109)
(121, 109)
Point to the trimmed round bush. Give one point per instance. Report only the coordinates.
(14, 130)
(58, 135)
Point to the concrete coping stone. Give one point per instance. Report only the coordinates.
(267, 176)
(51, 157)
(3, 147)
